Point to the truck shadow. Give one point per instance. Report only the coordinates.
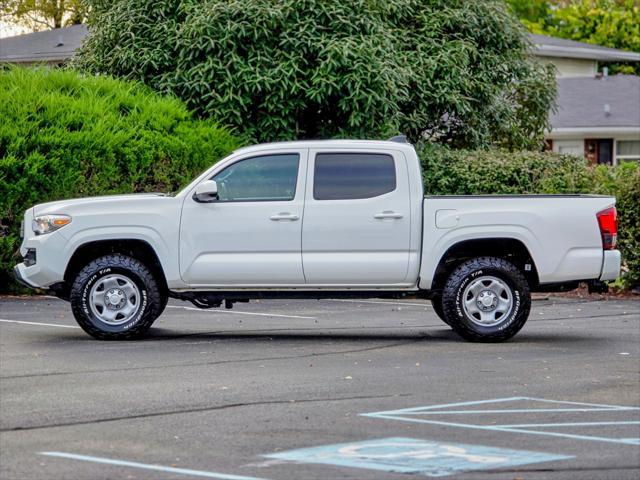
(440, 335)
(354, 336)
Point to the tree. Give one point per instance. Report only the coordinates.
(610, 23)
(43, 14)
(451, 71)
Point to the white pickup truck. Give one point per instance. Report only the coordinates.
(316, 219)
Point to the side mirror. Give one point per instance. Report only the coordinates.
(206, 192)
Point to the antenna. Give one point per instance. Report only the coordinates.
(399, 139)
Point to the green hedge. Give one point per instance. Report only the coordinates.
(624, 183)
(64, 135)
(465, 172)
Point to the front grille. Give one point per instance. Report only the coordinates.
(30, 257)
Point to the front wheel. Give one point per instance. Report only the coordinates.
(486, 299)
(116, 297)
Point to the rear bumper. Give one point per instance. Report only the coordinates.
(610, 265)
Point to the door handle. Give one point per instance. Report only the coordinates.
(284, 216)
(387, 214)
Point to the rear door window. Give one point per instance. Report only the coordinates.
(350, 176)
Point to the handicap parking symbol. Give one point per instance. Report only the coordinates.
(410, 455)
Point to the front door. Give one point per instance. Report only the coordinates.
(250, 236)
(356, 228)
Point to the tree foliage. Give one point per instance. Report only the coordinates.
(43, 14)
(452, 71)
(64, 135)
(610, 23)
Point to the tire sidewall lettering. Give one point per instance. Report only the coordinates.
(460, 291)
(141, 313)
(514, 310)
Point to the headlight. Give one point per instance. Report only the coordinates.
(49, 223)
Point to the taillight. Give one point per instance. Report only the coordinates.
(608, 223)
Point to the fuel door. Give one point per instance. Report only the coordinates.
(447, 218)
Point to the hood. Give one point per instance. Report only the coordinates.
(66, 206)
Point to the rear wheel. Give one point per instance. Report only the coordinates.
(486, 299)
(116, 297)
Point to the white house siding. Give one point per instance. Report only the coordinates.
(573, 143)
(572, 67)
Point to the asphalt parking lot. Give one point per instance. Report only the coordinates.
(319, 390)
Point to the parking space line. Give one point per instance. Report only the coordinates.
(571, 424)
(236, 312)
(422, 414)
(515, 410)
(38, 324)
(148, 466)
(504, 428)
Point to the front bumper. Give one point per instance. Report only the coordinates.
(610, 265)
(48, 260)
(18, 272)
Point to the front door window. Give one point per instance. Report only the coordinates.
(259, 179)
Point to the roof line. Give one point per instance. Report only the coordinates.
(583, 52)
(598, 131)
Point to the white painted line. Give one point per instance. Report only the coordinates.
(518, 410)
(37, 323)
(570, 424)
(236, 312)
(147, 466)
(422, 414)
(382, 302)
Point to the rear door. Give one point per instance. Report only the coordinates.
(356, 228)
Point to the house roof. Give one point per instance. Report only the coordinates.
(589, 102)
(560, 47)
(61, 43)
(56, 45)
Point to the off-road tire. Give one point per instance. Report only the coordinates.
(436, 303)
(164, 300)
(460, 321)
(152, 300)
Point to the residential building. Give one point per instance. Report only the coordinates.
(598, 115)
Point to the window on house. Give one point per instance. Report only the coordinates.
(628, 151)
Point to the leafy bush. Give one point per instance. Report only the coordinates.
(465, 172)
(453, 70)
(624, 183)
(468, 172)
(63, 135)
